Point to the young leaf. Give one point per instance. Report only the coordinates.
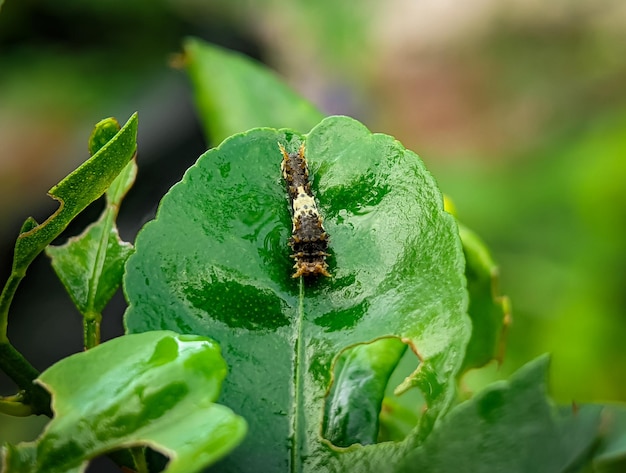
(73, 193)
(489, 311)
(76, 191)
(360, 378)
(102, 133)
(156, 389)
(234, 93)
(510, 426)
(216, 261)
(91, 265)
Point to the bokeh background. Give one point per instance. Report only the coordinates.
(518, 107)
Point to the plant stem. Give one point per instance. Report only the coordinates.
(139, 459)
(23, 373)
(5, 301)
(91, 329)
(12, 362)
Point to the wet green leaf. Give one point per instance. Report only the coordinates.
(511, 427)
(233, 93)
(216, 262)
(360, 378)
(75, 192)
(156, 389)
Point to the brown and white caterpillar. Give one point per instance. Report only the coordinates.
(309, 240)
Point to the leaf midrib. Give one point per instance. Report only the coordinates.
(298, 407)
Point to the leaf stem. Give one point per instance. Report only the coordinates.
(92, 319)
(91, 329)
(5, 301)
(139, 459)
(12, 362)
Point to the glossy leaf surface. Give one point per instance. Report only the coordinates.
(216, 262)
(233, 93)
(156, 389)
(354, 401)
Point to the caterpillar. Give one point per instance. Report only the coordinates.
(309, 240)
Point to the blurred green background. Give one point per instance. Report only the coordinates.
(517, 107)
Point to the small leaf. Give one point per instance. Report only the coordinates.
(76, 191)
(216, 262)
(121, 185)
(76, 264)
(360, 378)
(103, 132)
(91, 265)
(510, 427)
(490, 312)
(233, 94)
(155, 389)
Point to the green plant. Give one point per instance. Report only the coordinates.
(412, 296)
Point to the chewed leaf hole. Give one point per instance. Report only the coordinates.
(101, 463)
(400, 414)
(360, 406)
(127, 458)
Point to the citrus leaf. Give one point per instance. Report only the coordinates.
(156, 389)
(510, 426)
(360, 378)
(91, 265)
(216, 262)
(102, 133)
(610, 457)
(233, 93)
(490, 312)
(76, 191)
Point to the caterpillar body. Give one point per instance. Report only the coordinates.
(309, 240)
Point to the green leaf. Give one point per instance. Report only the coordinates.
(360, 378)
(511, 427)
(610, 457)
(233, 93)
(216, 262)
(73, 193)
(156, 389)
(76, 191)
(489, 311)
(103, 132)
(91, 265)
